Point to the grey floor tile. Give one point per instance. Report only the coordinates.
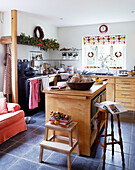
(110, 167)
(40, 131)
(32, 139)
(19, 149)
(6, 161)
(31, 127)
(24, 165)
(33, 154)
(46, 167)
(126, 148)
(58, 160)
(19, 136)
(7, 144)
(132, 149)
(132, 163)
(84, 164)
(116, 159)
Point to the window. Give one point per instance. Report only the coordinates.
(108, 51)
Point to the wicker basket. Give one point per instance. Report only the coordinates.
(131, 73)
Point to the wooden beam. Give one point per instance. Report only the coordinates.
(6, 40)
(14, 56)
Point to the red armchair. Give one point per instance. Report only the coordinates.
(12, 122)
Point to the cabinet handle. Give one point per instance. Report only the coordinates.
(126, 87)
(126, 81)
(126, 102)
(125, 94)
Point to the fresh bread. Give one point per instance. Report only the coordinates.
(75, 79)
(79, 75)
(85, 80)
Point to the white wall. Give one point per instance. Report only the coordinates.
(72, 37)
(5, 30)
(26, 24)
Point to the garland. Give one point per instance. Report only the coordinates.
(45, 44)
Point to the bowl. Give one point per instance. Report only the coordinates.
(80, 86)
(131, 73)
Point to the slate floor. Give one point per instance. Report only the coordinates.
(22, 151)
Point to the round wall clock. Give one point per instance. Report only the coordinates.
(103, 28)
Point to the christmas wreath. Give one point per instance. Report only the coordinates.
(90, 54)
(118, 55)
(41, 33)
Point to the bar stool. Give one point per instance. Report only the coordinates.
(51, 144)
(113, 140)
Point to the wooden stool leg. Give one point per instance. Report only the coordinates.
(120, 139)
(41, 154)
(70, 139)
(98, 130)
(105, 136)
(76, 136)
(69, 161)
(53, 133)
(46, 134)
(112, 134)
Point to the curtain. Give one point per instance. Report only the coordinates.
(100, 40)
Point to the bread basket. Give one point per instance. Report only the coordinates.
(131, 73)
(80, 85)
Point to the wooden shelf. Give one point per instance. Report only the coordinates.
(6, 40)
(94, 133)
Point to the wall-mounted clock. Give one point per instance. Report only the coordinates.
(103, 28)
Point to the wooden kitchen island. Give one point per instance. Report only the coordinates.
(78, 105)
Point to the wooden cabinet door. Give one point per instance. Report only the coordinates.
(110, 92)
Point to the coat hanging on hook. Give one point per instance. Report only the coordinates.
(7, 76)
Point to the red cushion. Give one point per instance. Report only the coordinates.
(13, 107)
(3, 106)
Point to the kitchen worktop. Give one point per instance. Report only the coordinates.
(92, 92)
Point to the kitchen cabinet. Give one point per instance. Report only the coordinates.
(125, 92)
(77, 104)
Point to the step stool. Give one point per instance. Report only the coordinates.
(51, 144)
(114, 141)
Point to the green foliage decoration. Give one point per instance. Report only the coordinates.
(44, 44)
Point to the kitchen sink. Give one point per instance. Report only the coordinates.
(100, 74)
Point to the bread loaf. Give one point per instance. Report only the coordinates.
(75, 79)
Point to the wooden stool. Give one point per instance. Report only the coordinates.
(114, 141)
(50, 143)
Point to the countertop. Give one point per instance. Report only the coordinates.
(92, 92)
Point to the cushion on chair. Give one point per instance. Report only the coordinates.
(13, 107)
(3, 106)
(10, 118)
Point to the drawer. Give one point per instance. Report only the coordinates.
(125, 94)
(125, 81)
(127, 87)
(126, 102)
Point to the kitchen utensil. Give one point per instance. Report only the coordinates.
(80, 86)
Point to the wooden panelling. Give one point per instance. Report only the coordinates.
(127, 87)
(125, 94)
(6, 40)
